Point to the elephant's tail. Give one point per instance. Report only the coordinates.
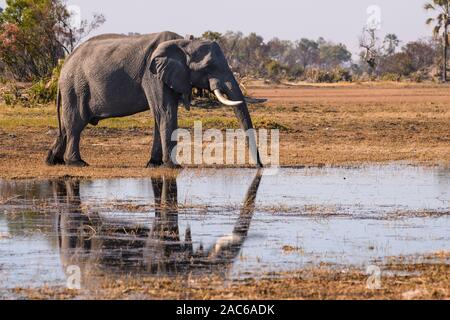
(56, 153)
(58, 109)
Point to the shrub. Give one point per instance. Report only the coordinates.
(296, 72)
(275, 70)
(8, 98)
(340, 74)
(419, 76)
(323, 76)
(13, 95)
(315, 75)
(41, 92)
(44, 91)
(390, 76)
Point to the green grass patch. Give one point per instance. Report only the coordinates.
(270, 124)
(11, 117)
(45, 117)
(137, 121)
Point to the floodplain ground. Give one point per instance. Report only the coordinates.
(365, 184)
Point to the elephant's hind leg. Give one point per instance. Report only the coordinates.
(72, 157)
(74, 125)
(55, 155)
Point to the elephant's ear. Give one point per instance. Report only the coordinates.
(169, 64)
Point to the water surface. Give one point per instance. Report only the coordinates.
(233, 222)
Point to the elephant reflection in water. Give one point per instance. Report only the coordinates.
(99, 246)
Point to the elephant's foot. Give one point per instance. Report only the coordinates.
(154, 164)
(53, 159)
(55, 155)
(77, 163)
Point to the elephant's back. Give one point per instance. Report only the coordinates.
(112, 42)
(111, 52)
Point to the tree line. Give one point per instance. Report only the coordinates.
(325, 61)
(278, 59)
(36, 34)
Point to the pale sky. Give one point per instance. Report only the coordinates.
(339, 21)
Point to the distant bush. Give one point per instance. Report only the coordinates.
(341, 74)
(315, 75)
(13, 95)
(275, 70)
(296, 72)
(391, 77)
(419, 76)
(43, 91)
(327, 76)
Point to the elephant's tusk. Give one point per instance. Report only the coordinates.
(224, 100)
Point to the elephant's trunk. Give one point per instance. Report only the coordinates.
(234, 92)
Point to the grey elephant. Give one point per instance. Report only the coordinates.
(116, 76)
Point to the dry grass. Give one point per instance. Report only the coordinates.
(413, 278)
(321, 125)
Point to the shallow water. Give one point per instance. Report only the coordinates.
(233, 222)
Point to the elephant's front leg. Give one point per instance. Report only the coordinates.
(164, 103)
(168, 124)
(156, 156)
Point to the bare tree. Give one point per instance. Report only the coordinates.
(368, 42)
(72, 35)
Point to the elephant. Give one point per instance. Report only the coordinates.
(116, 75)
(100, 248)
